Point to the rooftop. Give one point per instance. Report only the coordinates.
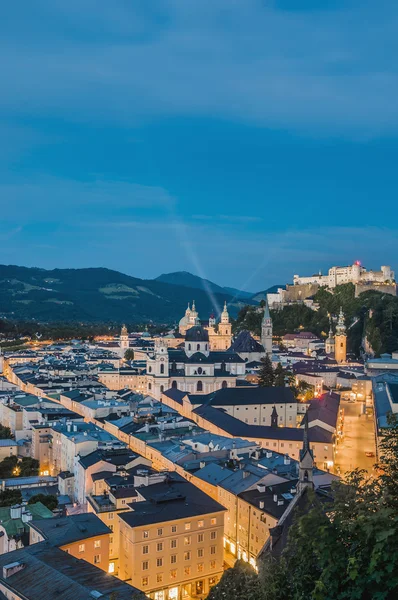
(66, 530)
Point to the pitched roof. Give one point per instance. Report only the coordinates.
(244, 342)
(66, 530)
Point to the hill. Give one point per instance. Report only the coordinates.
(99, 295)
(261, 295)
(193, 281)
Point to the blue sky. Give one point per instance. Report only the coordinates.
(241, 140)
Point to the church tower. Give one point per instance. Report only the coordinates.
(274, 417)
(124, 340)
(306, 462)
(329, 344)
(266, 330)
(225, 327)
(340, 339)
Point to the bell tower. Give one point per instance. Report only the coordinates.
(225, 327)
(124, 340)
(266, 330)
(340, 339)
(306, 462)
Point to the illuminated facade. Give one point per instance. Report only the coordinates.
(340, 351)
(220, 335)
(355, 273)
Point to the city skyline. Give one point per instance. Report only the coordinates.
(240, 142)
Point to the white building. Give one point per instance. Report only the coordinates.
(195, 369)
(354, 273)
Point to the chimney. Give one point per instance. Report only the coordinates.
(286, 460)
(275, 497)
(12, 568)
(261, 504)
(268, 454)
(261, 488)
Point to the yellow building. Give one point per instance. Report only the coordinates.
(171, 544)
(340, 351)
(220, 336)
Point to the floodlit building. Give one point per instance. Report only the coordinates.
(354, 273)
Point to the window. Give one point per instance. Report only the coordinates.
(212, 564)
(145, 549)
(149, 386)
(212, 549)
(173, 528)
(160, 531)
(187, 570)
(213, 535)
(82, 547)
(198, 347)
(173, 574)
(200, 537)
(161, 389)
(173, 559)
(200, 552)
(224, 384)
(97, 559)
(144, 581)
(145, 534)
(187, 526)
(97, 543)
(159, 546)
(187, 555)
(201, 524)
(187, 540)
(110, 527)
(212, 580)
(173, 543)
(162, 369)
(159, 562)
(111, 568)
(145, 565)
(174, 385)
(213, 521)
(199, 386)
(159, 577)
(200, 567)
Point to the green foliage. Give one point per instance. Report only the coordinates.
(10, 497)
(239, 583)
(5, 433)
(48, 500)
(279, 376)
(129, 354)
(12, 466)
(266, 377)
(341, 550)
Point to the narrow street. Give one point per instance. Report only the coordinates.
(358, 439)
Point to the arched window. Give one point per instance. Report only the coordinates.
(149, 386)
(206, 347)
(200, 371)
(305, 475)
(162, 369)
(224, 384)
(174, 385)
(161, 389)
(198, 347)
(199, 386)
(189, 346)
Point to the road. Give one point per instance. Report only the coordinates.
(358, 438)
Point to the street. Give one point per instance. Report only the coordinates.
(358, 439)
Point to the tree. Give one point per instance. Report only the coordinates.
(266, 374)
(5, 433)
(10, 497)
(29, 467)
(239, 583)
(7, 467)
(129, 354)
(48, 500)
(279, 376)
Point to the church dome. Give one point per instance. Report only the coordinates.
(197, 334)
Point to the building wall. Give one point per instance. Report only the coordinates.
(146, 555)
(94, 550)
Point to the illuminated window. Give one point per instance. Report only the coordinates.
(173, 574)
(82, 547)
(97, 544)
(159, 577)
(145, 534)
(187, 540)
(187, 570)
(212, 564)
(187, 555)
(144, 581)
(111, 568)
(213, 521)
(145, 565)
(200, 567)
(187, 526)
(201, 524)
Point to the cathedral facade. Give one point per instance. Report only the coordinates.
(195, 369)
(220, 335)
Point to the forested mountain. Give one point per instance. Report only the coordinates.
(193, 281)
(100, 295)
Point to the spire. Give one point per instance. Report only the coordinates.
(274, 417)
(306, 462)
(224, 314)
(266, 311)
(341, 329)
(306, 442)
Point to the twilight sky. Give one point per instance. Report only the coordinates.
(241, 140)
